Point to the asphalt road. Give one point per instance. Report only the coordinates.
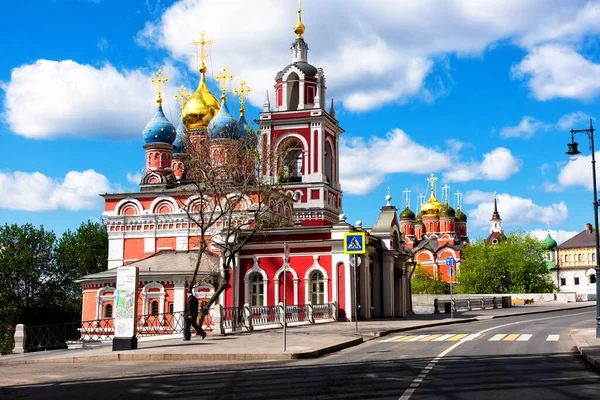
(526, 357)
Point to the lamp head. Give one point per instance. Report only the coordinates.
(573, 152)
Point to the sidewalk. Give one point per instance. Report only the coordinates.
(306, 341)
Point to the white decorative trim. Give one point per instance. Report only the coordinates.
(318, 267)
(296, 282)
(163, 198)
(255, 268)
(101, 299)
(126, 200)
(147, 295)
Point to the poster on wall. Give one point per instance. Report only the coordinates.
(126, 302)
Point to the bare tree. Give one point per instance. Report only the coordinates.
(234, 195)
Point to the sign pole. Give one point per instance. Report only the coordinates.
(355, 293)
(286, 259)
(451, 308)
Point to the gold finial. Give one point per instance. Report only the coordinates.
(242, 91)
(204, 42)
(432, 179)
(407, 196)
(223, 81)
(158, 82)
(299, 28)
(182, 96)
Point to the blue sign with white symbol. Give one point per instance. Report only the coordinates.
(450, 262)
(354, 243)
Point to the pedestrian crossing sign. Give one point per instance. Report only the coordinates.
(354, 243)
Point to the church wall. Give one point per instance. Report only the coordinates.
(166, 243)
(133, 250)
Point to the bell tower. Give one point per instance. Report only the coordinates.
(304, 137)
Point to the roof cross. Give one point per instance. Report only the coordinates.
(242, 91)
(406, 193)
(421, 198)
(432, 179)
(445, 191)
(458, 197)
(204, 42)
(158, 81)
(182, 96)
(223, 82)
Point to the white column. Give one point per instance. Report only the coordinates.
(301, 100)
(179, 296)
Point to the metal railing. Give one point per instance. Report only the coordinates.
(265, 315)
(234, 318)
(322, 311)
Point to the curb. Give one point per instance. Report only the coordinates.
(129, 357)
(589, 353)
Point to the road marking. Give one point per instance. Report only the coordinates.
(457, 337)
(552, 338)
(443, 337)
(409, 391)
(472, 336)
(416, 338)
(512, 337)
(430, 337)
(524, 338)
(392, 339)
(497, 338)
(403, 339)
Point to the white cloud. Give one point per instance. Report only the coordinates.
(558, 235)
(544, 167)
(555, 70)
(572, 120)
(364, 164)
(38, 192)
(578, 172)
(134, 178)
(525, 129)
(498, 165)
(514, 211)
(63, 98)
(374, 55)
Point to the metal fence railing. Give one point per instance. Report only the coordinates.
(57, 336)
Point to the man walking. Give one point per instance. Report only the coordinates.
(190, 317)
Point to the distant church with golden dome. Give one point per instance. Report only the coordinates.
(436, 233)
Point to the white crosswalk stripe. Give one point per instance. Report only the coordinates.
(552, 338)
(417, 338)
(524, 337)
(392, 339)
(443, 337)
(465, 337)
(497, 338)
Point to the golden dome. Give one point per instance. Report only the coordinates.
(299, 28)
(201, 106)
(431, 207)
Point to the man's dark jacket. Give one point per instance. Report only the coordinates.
(191, 307)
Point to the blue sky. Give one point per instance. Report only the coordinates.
(482, 94)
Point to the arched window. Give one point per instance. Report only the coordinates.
(579, 257)
(108, 311)
(256, 289)
(592, 278)
(293, 91)
(171, 308)
(291, 170)
(593, 257)
(328, 163)
(317, 287)
(154, 308)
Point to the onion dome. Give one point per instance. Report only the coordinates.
(431, 207)
(407, 214)
(244, 128)
(549, 243)
(447, 210)
(223, 125)
(159, 129)
(460, 216)
(201, 107)
(419, 219)
(180, 135)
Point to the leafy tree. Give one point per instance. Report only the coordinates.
(234, 201)
(27, 273)
(515, 265)
(79, 253)
(422, 283)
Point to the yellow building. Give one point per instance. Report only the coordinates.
(576, 263)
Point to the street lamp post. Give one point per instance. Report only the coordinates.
(573, 153)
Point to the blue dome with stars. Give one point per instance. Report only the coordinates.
(244, 128)
(178, 143)
(223, 125)
(159, 129)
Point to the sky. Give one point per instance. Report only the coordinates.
(481, 93)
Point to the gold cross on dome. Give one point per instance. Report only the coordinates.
(406, 193)
(158, 81)
(204, 42)
(432, 179)
(223, 81)
(182, 96)
(242, 91)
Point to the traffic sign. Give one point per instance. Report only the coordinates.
(355, 261)
(450, 262)
(451, 271)
(354, 243)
